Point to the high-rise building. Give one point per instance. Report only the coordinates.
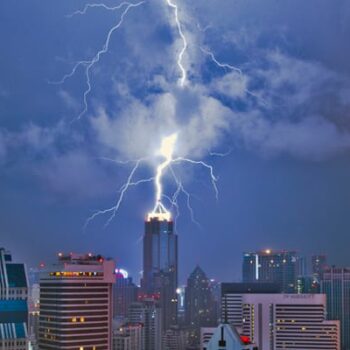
(160, 263)
(307, 284)
(124, 293)
(232, 299)
(271, 266)
(128, 337)
(318, 263)
(335, 284)
(76, 303)
(175, 338)
(200, 306)
(289, 321)
(148, 313)
(13, 303)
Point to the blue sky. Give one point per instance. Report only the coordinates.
(285, 119)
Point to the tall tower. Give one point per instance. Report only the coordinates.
(160, 262)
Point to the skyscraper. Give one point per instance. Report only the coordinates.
(289, 321)
(335, 284)
(200, 306)
(76, 303)
(13, 303)
(271, 266)
(124, 293)
(160, 263)
(148, 313)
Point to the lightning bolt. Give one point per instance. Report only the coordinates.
(166, 151)
(232, 68)
(183, 78)
(89, 64)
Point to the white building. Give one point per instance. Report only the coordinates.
(225, 337)
(289, 321)
(128, 337)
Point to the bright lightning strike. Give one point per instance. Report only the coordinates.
(89, 64)
(183, 78)
(166, 151)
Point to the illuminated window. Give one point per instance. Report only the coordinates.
(74, 319)
(82, 319)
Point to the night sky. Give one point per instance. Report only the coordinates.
(284, 122)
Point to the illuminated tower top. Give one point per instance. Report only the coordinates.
(159, 212)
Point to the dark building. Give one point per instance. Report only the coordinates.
(13, 303)
(160, 263)
(335, 283)
(271, 266)
(200, 306)
(318, 264)
(124, 293)
(76, 303)
(307, 285)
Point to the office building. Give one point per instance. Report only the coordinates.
(307, 284)
(232, 299)
(289, 321)
(160, 263)
(128, 337)
(200, 306)
(148, 314)
(13, 303)
(175, 338)
(76, 303)
(318, 263)
(272, 266)
(125, 292)
(335, 284)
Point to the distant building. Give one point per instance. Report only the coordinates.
(200, 306)
(128, 337)
(272, 266)
(148, 313)
(13, 303)
(335, 284)
(175, 338)
(226, 337)
(289, 321)
(160, 263)
(318, 263)
(124, 293)
(307, 285)
(232, 299)
(76, 303)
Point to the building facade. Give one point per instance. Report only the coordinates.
(160, 263)
(335, 284)
(279, 267)
(289, 321)
(125, 292)
(232, 299)
(128, 337)
(148, 314)
(13, 303)
(200, 306)
(76, 303)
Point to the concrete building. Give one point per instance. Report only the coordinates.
(148, 313)
(232, 299)
(128, 337)
(335, 284)
(125, 292)
(289, 321)
(76, 303)
(13, 303)
(279, 267)
(160, 263)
